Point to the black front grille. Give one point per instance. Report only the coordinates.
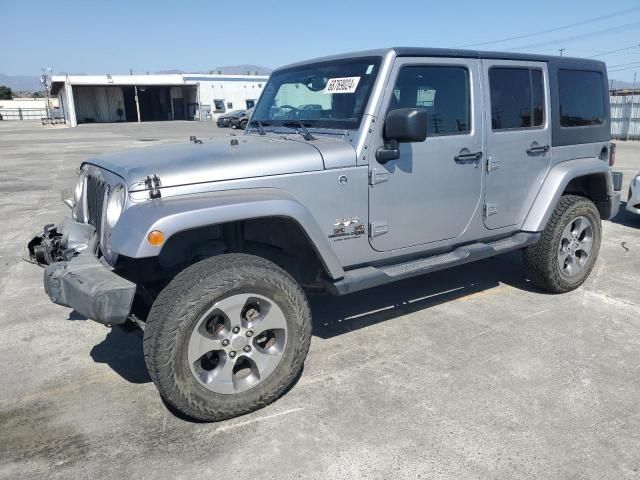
(95, 201)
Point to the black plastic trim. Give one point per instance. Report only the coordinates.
(88, 286)
(368, 277)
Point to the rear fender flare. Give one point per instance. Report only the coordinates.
(554, 185)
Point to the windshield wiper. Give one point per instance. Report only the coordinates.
(302, 128)
(260, 125)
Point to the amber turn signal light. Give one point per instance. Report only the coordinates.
(155, 238)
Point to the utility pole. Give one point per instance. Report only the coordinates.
(633, 96)
(561, 50)
(135, 88)
(45, 79)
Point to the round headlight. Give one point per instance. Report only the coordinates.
(115, 204)
(77, 193)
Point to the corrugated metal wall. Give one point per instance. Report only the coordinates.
(98, 104)
(625, 117)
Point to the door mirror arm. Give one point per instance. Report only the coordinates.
(390, 151)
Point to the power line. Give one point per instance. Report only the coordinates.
(614, 51)
(623, 69)
(615, 29)
(551, 30)
(623, 65)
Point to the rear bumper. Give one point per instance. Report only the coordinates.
(614, 200)
(74, 277)
(615, 204)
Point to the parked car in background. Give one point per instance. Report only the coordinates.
(242, 121)
(633, 201)
(224, 120)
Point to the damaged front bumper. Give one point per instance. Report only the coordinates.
(75, 277)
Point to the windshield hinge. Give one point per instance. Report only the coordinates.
(152, 183)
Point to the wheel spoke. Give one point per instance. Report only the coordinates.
(265, 362)
(222, 378)
(232, 308)
(586, 245)
(562, 257)
(580, 225)
(271, 320)
(569, 265)
(200, 344)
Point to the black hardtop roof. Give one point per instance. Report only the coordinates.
(457, 53)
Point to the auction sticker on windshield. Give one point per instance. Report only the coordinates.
(342, 85)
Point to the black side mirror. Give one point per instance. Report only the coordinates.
(406, 125)
(402, 125)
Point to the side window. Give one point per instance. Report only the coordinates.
(442, 90)
(517, 98)
(218, 105)
(581, 98)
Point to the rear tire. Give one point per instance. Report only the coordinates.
(243, 124)
(207, 327)
(567, 250)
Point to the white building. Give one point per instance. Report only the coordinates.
(26, 108)
(142, 98)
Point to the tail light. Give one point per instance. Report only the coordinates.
(612, 154)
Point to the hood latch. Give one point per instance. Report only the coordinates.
(152, 183)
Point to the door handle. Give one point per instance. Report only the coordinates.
(468, 157)
(536, 149)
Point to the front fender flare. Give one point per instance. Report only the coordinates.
(176, 214)
(554, 185)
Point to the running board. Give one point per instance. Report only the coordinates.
(367, 277)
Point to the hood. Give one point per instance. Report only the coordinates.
(222, 159)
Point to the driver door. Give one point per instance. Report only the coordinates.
(432, 191)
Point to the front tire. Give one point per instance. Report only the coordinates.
(227, 336)
(567, 250)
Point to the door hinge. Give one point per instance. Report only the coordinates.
(492, 164)
(490, 209)
(378, 228)
(378, 175)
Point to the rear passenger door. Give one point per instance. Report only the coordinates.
(518, 138)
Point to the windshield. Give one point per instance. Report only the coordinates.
(330, 94)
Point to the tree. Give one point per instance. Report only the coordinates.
(36, 95)
(5, 93)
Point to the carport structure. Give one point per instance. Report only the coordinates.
(125, 98)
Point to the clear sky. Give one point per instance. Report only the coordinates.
(112, 36)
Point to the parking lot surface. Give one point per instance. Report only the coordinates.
(464, 373)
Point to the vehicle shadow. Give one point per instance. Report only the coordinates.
(626, 218)
(333, 316)
(122, 350)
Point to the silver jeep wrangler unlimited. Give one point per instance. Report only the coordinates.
(355, 171)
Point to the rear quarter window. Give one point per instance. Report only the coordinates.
(581, 97)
